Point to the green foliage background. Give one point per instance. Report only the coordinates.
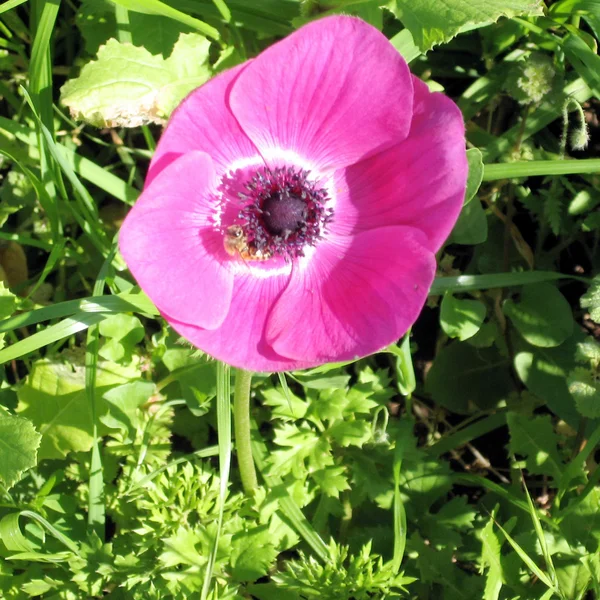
(458, 463)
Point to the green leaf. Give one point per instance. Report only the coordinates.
(97, 23)
(8, 304)
(491, 556)
(461, 319)
(542, 316)
(155, 7)
(535, 439)
(127, 86)
(404, 43)
(475, 177)
(544, 371)
(350, 433)
(125, 332)
(433, 22)
(252, 554)
(463, 377)
(585, 389)
(584, 59)
(332, 480)
(54, 398)
(123, 403)
(19, 442)
(471, 227)
(591, 299)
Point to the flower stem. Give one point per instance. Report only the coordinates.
(241, 423)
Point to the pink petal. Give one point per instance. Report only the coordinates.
(240, 341)
(356, 296)
(419, 182)
(333, 92)
(172, 248)
(204, 122)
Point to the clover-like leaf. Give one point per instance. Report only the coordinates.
(542, 316)
(461, 319)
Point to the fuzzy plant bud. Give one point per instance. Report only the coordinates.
(580, 136)
(531, 80)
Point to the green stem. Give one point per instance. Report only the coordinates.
(241, 423)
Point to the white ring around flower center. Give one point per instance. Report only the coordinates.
(278, 157)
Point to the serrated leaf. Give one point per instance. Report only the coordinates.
(8, 302)
(288, 407)
(585, 389)
(535, 439)
(542, 316)
(332, 480)
(128, 87)
(491, 547)
(252, 553)
(588, 351)
(54, 398)
(591, 299)
(350, 433)
(433, 22)
(461, 319)
(19, 442)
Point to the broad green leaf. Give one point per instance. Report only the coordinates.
(19, 442)
(475, 177)
(581, 526)
(463, 377)
(573, 577)
(461, 319)
(544, 371)
(433, 22)
(535, 439)
(471, 227)
(585, 389)
(53, 397)
(542, 315)
(128, 87)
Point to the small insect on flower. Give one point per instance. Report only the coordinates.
(236, 244)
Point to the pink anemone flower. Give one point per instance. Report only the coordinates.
(294, 205)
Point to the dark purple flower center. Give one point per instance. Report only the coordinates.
(284, 211)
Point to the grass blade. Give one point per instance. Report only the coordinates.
(224, 431)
